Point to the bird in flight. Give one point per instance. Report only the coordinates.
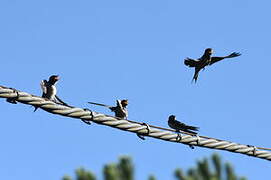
(179, 126)
(120, 110)
(49, 90)
(205, 60)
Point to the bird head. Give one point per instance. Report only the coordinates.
(209, 51)
(53, 79)
(171, 117)
(124, 102)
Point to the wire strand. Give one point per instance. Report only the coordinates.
(142, 129)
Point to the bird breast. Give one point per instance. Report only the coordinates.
(54, 91)
(51, 92)
(171, 124)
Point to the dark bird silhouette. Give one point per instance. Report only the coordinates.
(205, 60)
(120, 110)
(49, 90)
(178, 126)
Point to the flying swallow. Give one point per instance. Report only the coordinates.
(120, 110)
(49, 90)
(174, 124)
(205, 60)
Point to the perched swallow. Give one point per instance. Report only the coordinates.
(49, 90)
(120, 110)
(205, 60)
(174, 124)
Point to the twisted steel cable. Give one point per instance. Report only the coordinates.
(141, 129)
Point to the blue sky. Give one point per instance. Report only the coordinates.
(106, 50)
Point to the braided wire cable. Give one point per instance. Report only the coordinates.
(141, 129)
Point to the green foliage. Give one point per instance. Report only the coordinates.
(82, 174)
(212, 169)
(123, 170)
(203, 169)
(111, 172)
(206, 169)
(179, 174)
(217, 165)
(126, 168)
(151, 177)
(66, 177)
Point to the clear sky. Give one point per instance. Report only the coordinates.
(106, 50)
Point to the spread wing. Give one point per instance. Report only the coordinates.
(43, 85)
(216, 59)
(113, 109)
(234, 54)
(190, 62)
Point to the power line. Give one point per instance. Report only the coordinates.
(141, 129)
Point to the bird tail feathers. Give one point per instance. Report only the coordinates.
(195, 77)
(59, 101)
(192, 132)
(192, 128)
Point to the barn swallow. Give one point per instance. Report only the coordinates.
(205, 60)
(174, 124)
(49, 90)
(120, 110)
